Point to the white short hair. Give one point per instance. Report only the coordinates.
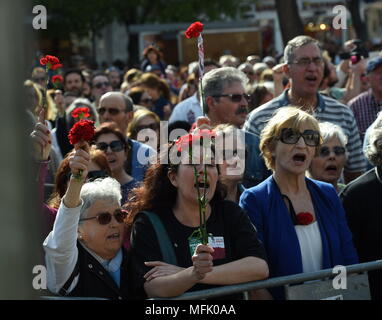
(104, 189)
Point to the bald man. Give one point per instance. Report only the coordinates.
(116, 107)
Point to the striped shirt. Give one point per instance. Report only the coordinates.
(365, 108)
(328, 110)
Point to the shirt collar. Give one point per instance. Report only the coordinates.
(109, 265)
(283, 100)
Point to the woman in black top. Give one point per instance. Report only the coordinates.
(233, 255)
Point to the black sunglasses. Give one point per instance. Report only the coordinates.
(291, 136)
(105, 217)
(338, 151)
(99, 85)
(234, 97)
(95, 174)
(115, 146)
(112, 111)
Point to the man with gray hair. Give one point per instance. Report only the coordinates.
(362, 203)
(304, 66)
(225, 102)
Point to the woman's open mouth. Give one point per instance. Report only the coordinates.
(332, 169)
(202, 185)
(299, 158)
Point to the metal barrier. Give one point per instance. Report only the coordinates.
(280, 281)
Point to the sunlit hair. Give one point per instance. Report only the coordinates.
(107, 190)
(139, 115)
(34, 95)
(152, 81)
(373, 149)
(286, 117)
(63, 174)
(296, 43)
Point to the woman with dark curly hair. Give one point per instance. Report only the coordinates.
(170, 192)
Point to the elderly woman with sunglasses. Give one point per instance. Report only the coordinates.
(84, 253)
(300, 221)
(328, 164)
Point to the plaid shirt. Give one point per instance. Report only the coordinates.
(365, 108)
(328, 110)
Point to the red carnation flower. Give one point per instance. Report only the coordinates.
(81, 113)
(186, 141)
(51, 62)
(304, 218)
(57, 78)
(82, 130)
(43, 61)
(52, 59)
(56, 66)
(194, 30)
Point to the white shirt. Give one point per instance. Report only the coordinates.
(187, 110)
(309, 238)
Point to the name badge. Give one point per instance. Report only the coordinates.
(217, 243)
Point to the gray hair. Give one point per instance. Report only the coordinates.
(106, 189)
(329, 131)
(215, 81)
(295, 43)
(373, 150)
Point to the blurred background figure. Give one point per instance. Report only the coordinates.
(39, 76)
(144, 119)
(247, 68)
(153, 57)
(259, 94)
(114, 76)
(252, 59)
(130, 78)
(140, 97)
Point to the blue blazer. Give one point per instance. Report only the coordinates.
(268, 212)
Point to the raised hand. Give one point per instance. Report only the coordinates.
(41, 138)
(79, 161)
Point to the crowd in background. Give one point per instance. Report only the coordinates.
(322, 155)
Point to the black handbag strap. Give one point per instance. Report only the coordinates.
(165, 244)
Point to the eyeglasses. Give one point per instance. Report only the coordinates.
(152, 126)
(304, 62)
(105, 217)
(99, 85)
(115, 146)
(112, 111)
(338, 151)
(234, 97)
(290, 136)
(95, 174)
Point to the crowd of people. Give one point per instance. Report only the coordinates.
(295, 186)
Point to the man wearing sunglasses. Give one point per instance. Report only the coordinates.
(84, 254)
(225, 102)
(304, 66)
(118, 108)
